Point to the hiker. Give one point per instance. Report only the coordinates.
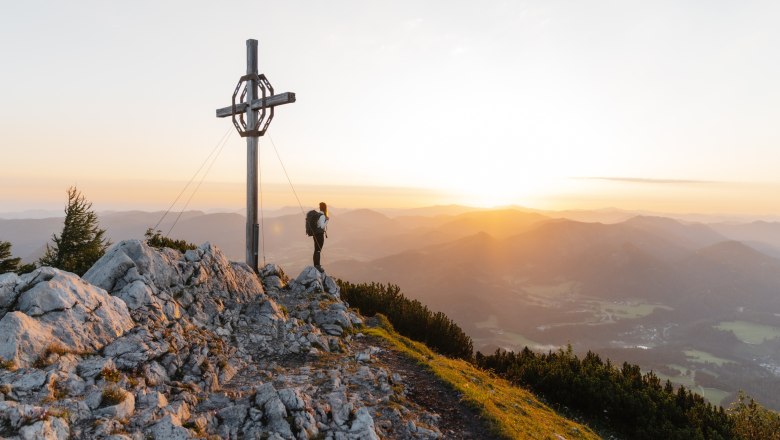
(317, 228)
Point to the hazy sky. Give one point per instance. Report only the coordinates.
(665, 105)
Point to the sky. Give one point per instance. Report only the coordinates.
(669, 106)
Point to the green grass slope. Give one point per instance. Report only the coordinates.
(512, 412)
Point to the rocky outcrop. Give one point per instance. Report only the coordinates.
(162, 345)
(50, 310)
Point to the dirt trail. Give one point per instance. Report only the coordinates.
(458, 421)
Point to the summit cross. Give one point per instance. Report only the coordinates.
(251, 115)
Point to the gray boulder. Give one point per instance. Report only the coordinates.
(121, 411)
(57, 308)
(169, 428)
(50, 429)
(7, 295)
(309, 275)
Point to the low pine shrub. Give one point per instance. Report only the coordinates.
(409, 317)
(157, 240)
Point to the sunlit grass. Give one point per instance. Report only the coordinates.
(567, 288)
(512, 412)
(630, 310)
(686, 381)
(686, 377)
(703, 357)
(714, 395)
(749, 332)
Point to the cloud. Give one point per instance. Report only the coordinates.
(649, 180)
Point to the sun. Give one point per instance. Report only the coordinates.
(494, 191)
(489, 195)
(489, 201)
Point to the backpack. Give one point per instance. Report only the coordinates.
(312, 217)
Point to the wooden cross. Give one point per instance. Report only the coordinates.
(257, 102)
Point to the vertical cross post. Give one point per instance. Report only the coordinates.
(252, 227)
(257, 101)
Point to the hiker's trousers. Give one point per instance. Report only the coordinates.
(319, 242)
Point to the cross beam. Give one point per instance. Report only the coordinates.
(256, 103)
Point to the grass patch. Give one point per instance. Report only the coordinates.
(567, 288)
(491, 323)
(57, 349)
(46, 358)
(714, 395)
(58, 389)
(506, 339)
(9, 365)
(112, 396)
(686, 378)
(750, 333)
(511, 412)
(702, 357)
(110, 374)
(629, 309)
(509, 340)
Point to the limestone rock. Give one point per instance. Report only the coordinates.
(7, 293)
(292, 399)
(169, 428)
(154, 373)
(50, 429)
(122, 410)
(22, 338)
(363, 425)
(55, 307)
(232, 419)
(309, 275)
(94, 365)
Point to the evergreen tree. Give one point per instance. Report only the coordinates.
(752, 421)
(7, 264)
(81, 242)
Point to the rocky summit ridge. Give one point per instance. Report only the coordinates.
(155, 344)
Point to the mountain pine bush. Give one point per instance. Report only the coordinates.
(157, 240)
(753, 421)
(409, 317)
(636, 405)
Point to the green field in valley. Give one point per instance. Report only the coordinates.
(702, 357)
(749, 332)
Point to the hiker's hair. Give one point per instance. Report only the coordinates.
(324, 208)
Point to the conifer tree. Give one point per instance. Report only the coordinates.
(7, 264)
(81, 242)
(753, 421)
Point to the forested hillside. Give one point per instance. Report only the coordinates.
(613, 399)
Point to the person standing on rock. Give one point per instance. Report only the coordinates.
(317, 227)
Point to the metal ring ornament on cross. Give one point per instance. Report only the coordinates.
(266, 90)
